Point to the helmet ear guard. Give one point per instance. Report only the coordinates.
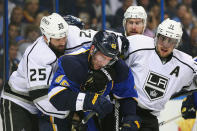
(53, 26)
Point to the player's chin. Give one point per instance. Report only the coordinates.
(61, 48)
(96, 67)
(132, 33)
(164, 54)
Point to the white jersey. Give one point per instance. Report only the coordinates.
(29, 84)
(78, 38)
(155, 81)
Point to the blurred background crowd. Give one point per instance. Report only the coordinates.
(24, 19)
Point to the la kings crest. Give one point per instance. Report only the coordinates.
(155, 85)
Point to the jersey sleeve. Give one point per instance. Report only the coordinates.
(64, 92)
(126, 88)
(124, 85)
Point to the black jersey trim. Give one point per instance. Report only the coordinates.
(78, 45)
(51, 71)
(35, 94)
(8, 90)
(28, 56)
(184, 63)
(136, 51)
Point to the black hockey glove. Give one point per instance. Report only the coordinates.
(97, 103)
(130, 123)
(125, 46)
(72, 20)
(187, 110)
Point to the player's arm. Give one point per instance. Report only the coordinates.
(124, 90)
(65, 94)
(39, 73)
(189, 106)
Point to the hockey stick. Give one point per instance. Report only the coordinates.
(85, 119)
(169, 120)
(116, 113)
(80, 126)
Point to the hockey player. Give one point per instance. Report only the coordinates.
(27, 88)
(134, 21)
(159, 70)
(86, 76)
(189, 104)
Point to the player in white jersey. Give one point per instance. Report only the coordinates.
(134, 21)
(28, 86)
(159, 70)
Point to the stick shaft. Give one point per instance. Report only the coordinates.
(169, 120)
(90, 115)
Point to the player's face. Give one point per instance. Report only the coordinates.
(99, 60)
(165, 45)
(134, 26)
(59, 44)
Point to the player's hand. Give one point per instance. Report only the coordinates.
(97, 103)
(130, 123)
(72, 20)
(187, 110)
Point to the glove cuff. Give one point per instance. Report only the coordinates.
(90, 100)
(131, 121)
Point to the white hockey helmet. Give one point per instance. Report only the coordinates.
(53, 26)
(135, 12)
(171, 29)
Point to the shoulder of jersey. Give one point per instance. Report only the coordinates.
(137, 42)
(40, 52)
(73, 65)
(77, 37)
(182, 56)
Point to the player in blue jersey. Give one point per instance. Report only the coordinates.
(84, 78)
(189, 104)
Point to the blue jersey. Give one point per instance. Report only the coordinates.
(74, 74)
(73, 71)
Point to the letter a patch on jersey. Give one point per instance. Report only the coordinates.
(175, 71)
(155, 85)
